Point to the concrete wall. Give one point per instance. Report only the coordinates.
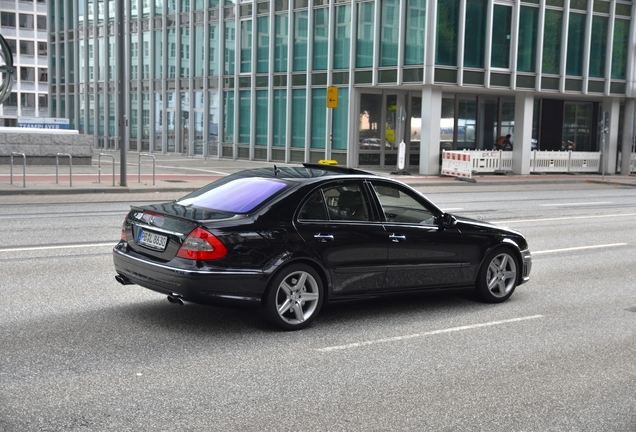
(41, 146)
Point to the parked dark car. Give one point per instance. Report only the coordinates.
(285, 240)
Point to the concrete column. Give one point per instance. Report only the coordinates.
(431, 117)
(612, 106)
(524, 109)
(628, 135)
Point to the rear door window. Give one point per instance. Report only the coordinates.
(342, 202)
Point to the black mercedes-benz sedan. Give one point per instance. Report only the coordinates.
(286, 240)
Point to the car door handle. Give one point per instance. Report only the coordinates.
(397, 237)
(324, 238)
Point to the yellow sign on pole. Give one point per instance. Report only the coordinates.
(332, 97)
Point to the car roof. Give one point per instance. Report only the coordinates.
(305, 173)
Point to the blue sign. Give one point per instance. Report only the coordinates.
(43, 123)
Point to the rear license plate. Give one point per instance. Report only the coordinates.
(152, 240)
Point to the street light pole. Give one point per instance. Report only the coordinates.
(121, 89)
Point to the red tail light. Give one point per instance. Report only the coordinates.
(202, 245)
(124, 236)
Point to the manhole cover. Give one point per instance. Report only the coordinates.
(175, 181)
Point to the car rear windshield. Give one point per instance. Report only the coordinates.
(240, 195)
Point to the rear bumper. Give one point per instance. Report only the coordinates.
(234, 287)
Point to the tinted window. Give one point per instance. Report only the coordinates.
(314, 208)
(345, 202)
(400, 206)
(237, 196)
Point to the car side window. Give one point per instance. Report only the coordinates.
(346, 202)
(400, 206)
(314, 208)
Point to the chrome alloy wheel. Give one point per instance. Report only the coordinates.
(501, 277)
(297, 297)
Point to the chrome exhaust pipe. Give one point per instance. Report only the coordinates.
(175, 299)
(123, 280)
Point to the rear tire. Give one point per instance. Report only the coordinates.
(294, 297)
(497, 278)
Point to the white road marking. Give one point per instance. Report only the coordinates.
(430, 333)
(580, 248)
(575, 204)
(36, 248)
(568, 218)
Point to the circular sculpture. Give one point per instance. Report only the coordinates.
(6, 70)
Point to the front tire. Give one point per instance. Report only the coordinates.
(294, 298)
(498, 276)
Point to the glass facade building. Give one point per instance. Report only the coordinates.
(251, 79)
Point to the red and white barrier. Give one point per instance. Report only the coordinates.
(457, 164)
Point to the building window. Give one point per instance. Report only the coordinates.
(279, 119)
(299, 112)
(42, 49)
(552, 42)
(12, 100)
(27, 74)
(228, 116)
(475, 39)
(245, 105)
(318, 118)
(12, 45)
(10, 122)
(41, 22)
(598, 47)
(301, 37)
(246, 46)
(281, 27)
(43, 101)
(342, 42)
(213, 43)
(415, 33)
(27, 47)
(321, 38)
(447, 32)
(199, 51)
(390, 37)
(619, 50)
(7, 19)
(527, 49)
(262, 44)
(26, 21)
(43, 75)
(185, 52)
(502, 16)
(27, 100)
(262, 117)
(576, 42)
(230, 46)
(365, 37)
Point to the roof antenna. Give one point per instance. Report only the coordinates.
(276, 171)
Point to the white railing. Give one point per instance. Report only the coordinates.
(490, 161)
(481, 162)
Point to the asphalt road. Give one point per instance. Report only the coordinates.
(79, 352)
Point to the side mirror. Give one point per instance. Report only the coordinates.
(448, 220)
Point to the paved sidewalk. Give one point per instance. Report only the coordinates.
(176, 175)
